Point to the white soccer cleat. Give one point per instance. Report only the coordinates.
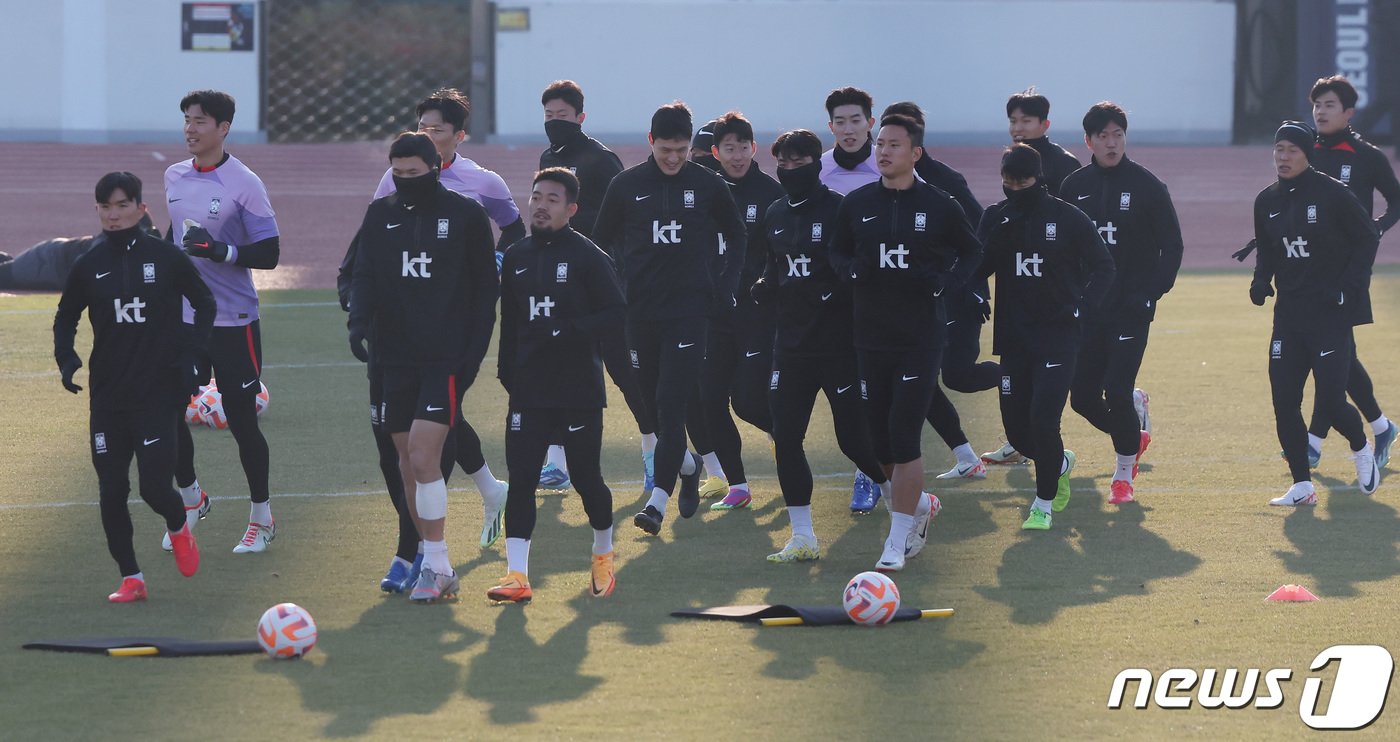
(1140, 407)
(892, 559)
(256, 538)
(1007, 454)
(1368, 474)
(1301, 493)
(927, 509)
(974, 470)
(493, 509)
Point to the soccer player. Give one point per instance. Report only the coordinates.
(1135, 217)
(1052, 270)
(425, 283)
(702, 147)
(901, 242)
(143, 368)
(673, 230)
(1316, 246)
(1028, 119)
(45, 266)
(559, 298)
(595, 166)
(220, 212)
(1341, 153)
(739, 350)
(814, 350)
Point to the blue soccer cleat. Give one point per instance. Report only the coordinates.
(649, 473)
(553, 478)
(1383, 443)
(865, 494)
(395, 578)
(413, 573)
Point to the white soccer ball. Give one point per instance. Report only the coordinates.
(286, 631)
(193, 416)
(262, 398)
(871, 599)
(211, 408)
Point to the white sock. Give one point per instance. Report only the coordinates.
(556, 457)
(1124, 472)
(1041, 505)
(138, 576)
(401, 560)
(1380, 425)
(518, 555)
(602, 541)
(742, 486)
(648, 443)
(261, 512)
(688, 464)
(886, 492)
(800, 516)
(435, 556)
(712, 465)
(964, 454)
(900, 526)
(420, 548)
(483, 478)
(658, 499)
(924, 505)
(191, 497)
(1314, 442)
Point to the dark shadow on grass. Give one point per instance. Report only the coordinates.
(1356, 542)
(516, 675)
(1113, 557)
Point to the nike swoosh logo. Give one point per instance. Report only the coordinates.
(1054, 365)
(683, 346)
(1081, 198)
(751, 354)
(1129, 337)
(842, 389)
(865, 219)
(518, 271)
(1006, 220)
(778, 231)
(147, 442)
(173, 200)
(908, 378)
(434, 409)
(575, 429)
(949, 322)
(247, 384)
(643, 198)
(393, 226)
(1076, 312)
(1326, 353)
(825, 297)
(555, 333)
(1276, 213)
(104, 275)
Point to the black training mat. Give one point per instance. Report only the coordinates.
(810, 615)
(159, 646)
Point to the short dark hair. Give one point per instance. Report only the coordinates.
(1020, 161)
(672, 121)
(798, 143)
(214, 103)
(849, 96)
(451, 103)
(127, 182)
(1030, 103)
(1339, 84)
(908, 108)
(908, 124)
(563, 177)
(564, 90)
(415, 144)
(1101, 115)
(733, 123)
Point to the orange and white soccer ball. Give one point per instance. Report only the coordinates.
(193, 416)
(262, 398)
(286, 631)
(871, 599)
(211, 408)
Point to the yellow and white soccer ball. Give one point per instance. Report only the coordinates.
(286, 631)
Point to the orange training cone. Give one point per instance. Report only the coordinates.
(1293, 593)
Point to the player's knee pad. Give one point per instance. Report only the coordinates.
(431, 499)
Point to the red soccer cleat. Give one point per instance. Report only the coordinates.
(130, 591)
(186, 551)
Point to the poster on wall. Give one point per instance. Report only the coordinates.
(216, 27)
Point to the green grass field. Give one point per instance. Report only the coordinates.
(1044, 621)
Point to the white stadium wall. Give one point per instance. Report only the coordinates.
(111, 71)
(1170, 63)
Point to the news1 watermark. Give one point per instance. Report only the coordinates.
(1358, 692)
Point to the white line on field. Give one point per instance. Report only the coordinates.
(288, 305)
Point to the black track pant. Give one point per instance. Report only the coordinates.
(898, 388)
(1104, 376)
(961, 371)
(944, 418)
(667, 358)
(1325, 352)
(235, 360)
(1362, 393)
(528, 433)
(738, 359)
(1035, 383)
(149, 435)
(617, 360)
(794, 384)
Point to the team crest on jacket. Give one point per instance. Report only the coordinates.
(1276, 349)
(1312, 214)
(689, 199)
(148, 272)
(816, 231)
(442, 229)
(561, 273)
(773, 383)
(751, 213)
(1345, 175)
(99, 442)
(1124, 201)
(920, 221)
(1050, 230)
(515, 421)
(213, 207)
(1006, 385)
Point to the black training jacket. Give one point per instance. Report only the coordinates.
(594, 165)
(1316, 244)
(677, 241)
(133, 286)
(900, 249)
(1135, 217)
(813, 303)
(559, 297)
(1056, 162)
(425, 282)
(952, 182)
(1052, 269)
(1362, 167)
(753, 194)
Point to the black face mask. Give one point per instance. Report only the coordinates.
(1026, 196)
(124, 237)
(800, 181)
(414, 190)
(561, 132)
(850, 160)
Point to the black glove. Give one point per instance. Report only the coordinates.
(68, 368)
(200, 244)
(723, 303)
(189, 375)
(762, 291)
(357, 345)
(1241, 254)
(1258, 292)
(984, 307)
